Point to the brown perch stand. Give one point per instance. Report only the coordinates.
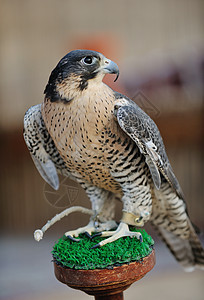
(106, 284)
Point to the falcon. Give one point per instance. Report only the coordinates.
(100, 138)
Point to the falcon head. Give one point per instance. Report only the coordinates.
(74, 72)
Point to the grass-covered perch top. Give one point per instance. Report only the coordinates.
(79, 255)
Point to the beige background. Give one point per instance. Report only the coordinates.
(158, 46)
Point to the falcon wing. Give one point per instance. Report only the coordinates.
(37, 141)
(47, 170)
(144, 132)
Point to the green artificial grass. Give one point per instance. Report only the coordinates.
(79, 255)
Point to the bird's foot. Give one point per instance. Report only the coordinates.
(88, 229)
(93, 226)
(122, 230)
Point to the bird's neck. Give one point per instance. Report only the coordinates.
(74, 88)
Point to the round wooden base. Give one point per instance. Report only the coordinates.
(105, 283)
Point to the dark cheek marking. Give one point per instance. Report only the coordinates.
(83, 85)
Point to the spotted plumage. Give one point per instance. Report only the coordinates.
(103, 140)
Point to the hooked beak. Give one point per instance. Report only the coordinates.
(111, 68)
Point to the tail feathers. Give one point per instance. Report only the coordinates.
(197, 248)
(189, 253)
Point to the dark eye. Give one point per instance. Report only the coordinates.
(89, 60)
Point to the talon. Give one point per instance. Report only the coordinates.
(72, 238)
(88, 234)
(96, 246)
(141, 239)
(96, 234)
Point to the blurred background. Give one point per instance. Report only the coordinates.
(159, 47)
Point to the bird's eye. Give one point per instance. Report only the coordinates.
(89, 60)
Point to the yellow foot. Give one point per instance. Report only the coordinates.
(86, 229)
(122, 230)
(90, 228)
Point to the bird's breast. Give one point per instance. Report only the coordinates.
(81, 131)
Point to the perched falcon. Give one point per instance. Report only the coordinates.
(86, 131)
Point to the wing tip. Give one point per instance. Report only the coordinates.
(55, 184)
